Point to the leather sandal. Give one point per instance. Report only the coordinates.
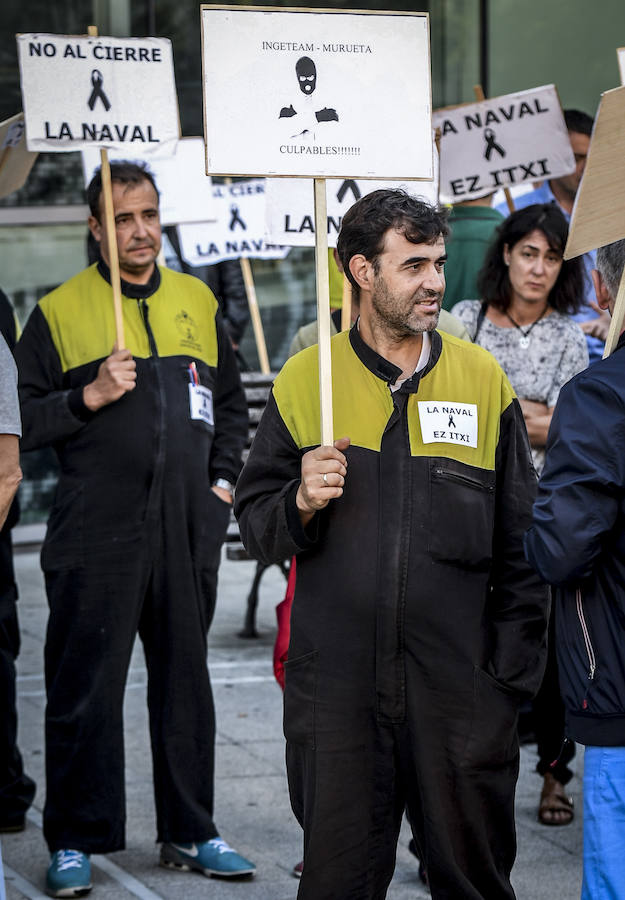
(556, 807)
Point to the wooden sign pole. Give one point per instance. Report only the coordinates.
(478, 90)
(618, 317)
(5, 157)
(346, 308)
(111, 233)
(252, 302)
(257, 325)
(323, 312)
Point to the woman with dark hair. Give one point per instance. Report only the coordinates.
(528, 293)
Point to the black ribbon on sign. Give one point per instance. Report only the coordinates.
(236, 219)
(349, 185)
(491, 144)
(451, 423)
(97, 92)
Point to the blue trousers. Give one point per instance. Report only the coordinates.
(604, 823)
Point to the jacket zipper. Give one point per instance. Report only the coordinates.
(465, 479)
(588, 643)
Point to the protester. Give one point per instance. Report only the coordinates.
(149, 440)
(528, 292)
(473, 224)
(16, 788)
(562, 191)
(577, 542)
(416, 626)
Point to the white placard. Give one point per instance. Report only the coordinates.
(316, 93)
(291, 212)
(186, 193)
(97, 92)
(238, 232)
(620, 55)
(502, 142)
(448, 422)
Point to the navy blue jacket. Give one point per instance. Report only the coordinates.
(577, 544)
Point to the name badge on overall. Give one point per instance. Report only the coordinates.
(200, 398)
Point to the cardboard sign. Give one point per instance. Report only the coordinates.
(290, 205)
(238, 232)
(316, 93)
(502, 142)
(15, 160)
(620, 55)
(599, 212)
(97, 92)
(186, 194)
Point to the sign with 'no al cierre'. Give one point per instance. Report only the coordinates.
(502, 142)
(83, 92)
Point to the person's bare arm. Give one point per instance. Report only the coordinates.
(537, 421)
(10, 472)
(600, 326)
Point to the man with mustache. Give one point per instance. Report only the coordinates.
(149, 440)
(417, 625)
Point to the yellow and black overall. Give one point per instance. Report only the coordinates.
(132, 544)
(417, 625)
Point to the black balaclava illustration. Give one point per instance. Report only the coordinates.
(306, 75)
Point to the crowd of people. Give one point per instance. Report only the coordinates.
(418, 621)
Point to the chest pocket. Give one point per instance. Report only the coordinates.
(462, 509)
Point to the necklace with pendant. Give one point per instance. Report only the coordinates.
(524, 340)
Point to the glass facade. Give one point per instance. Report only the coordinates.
(493, 42)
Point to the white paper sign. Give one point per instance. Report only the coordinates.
(620, 55)
(316, 93)
(97, 92)
(238, 232)
(501, 142)
(186, 193)
(291, 209)
(448, 422)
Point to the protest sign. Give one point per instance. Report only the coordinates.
(15, 160)
(238, 231)
(185, 191)
(290, 205)
(599, 211)
(97, 92)
(323, 93)
(501, 142)
(620, 55)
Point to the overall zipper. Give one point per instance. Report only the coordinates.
(465, 479)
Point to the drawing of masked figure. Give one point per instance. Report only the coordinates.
(304, 120)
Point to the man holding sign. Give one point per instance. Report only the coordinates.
(149, 440)
(417, 625)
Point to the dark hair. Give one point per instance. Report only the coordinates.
(123, 172)
(493, 280)
(610, 264)
(578, 121)
(365, 224)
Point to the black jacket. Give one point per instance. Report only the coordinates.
(577, 543)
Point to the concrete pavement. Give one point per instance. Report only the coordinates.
(252, 807)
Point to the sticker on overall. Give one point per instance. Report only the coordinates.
(448, 422)
(201, 403)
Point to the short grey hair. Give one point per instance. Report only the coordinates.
(610, 263)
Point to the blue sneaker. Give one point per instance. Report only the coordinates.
(213, 857)
(69, 874)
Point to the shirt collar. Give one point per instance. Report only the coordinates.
(388, 371)
(129, 289)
